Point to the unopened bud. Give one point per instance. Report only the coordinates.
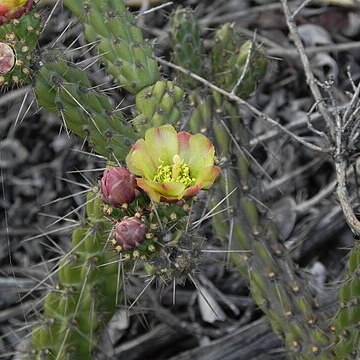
(118, 186)
(130, 232)
(7, 58)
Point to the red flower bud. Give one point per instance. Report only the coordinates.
(7, 58)
(130, 232)
(118, 186)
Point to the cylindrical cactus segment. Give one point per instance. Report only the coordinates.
(18, 42)
(157, 105)
(237, 65)
(347, 319)
(123, 50)
(85, 296)
(275, 284)
(65, 89)
(186, 44)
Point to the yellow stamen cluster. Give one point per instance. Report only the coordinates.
(178, 172)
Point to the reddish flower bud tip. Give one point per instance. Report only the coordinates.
(118, 186)
(7, 58)
(130, 232)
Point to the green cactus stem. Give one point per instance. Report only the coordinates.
(86, 296)
(66, 89)
(276, 285)
(237, 65)
(186, 44)
(345, 326)
(157, 105)
(22, 36)
(120, 43)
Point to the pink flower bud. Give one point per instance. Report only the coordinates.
(7, 58)
(118, 186)
(130, 232)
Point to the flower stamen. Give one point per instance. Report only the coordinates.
(177, 172)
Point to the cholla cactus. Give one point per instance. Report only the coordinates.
(165, 169)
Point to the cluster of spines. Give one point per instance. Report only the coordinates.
(120, 43)
(64, 88)
(22, 35)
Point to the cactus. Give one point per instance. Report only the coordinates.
(235, 61)
(20, 35)
(186, 44)
(143, 212)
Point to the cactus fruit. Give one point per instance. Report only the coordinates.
(13, 9)
(128, 58)
(118, 186)
(129, 232)
(186, 44)
(22, 36)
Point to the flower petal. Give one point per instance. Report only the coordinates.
(191, 191)
(155, 190)
(139, 160)
(207, 176)
(184, 145)
(200, 154)
(162, 144)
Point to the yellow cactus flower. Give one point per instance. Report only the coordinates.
(172, 166)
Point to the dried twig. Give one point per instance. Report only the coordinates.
(243, 102)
